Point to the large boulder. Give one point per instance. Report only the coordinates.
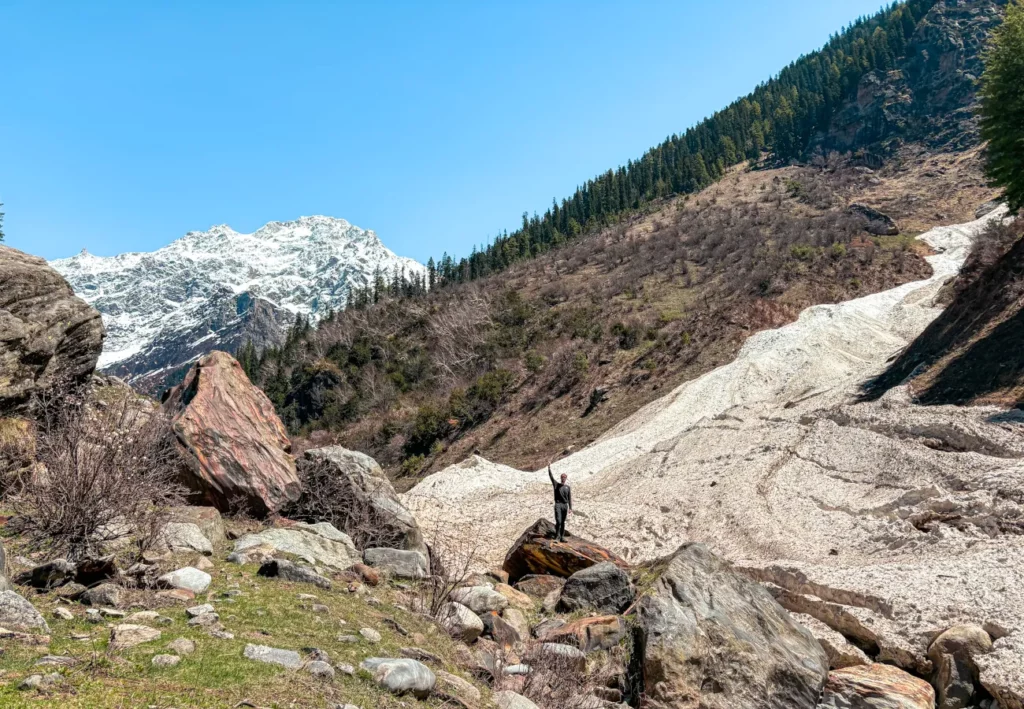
(588, 634)
(876, 687)
(236, 448)
(955, 675)
(874, 221)
(706, 635)
(319, 544)
(208, 520)
(18, 614)
(350, 490)
(537, 552)
(401, 676)
(604, 588)
(460, 622)
(399, 563)
(49, 339)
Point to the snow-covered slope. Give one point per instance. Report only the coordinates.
(214, 289)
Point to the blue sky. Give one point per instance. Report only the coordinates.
(124, 125)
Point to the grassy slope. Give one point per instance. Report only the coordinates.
(217, 675)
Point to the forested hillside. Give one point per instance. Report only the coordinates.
(522, 349)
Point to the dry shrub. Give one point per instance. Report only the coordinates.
(454, 554)
(559, 682)
(329, 497)
(17, 455)
(107, 472)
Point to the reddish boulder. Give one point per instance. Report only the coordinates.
(537, 552)
(876, 687)
(599, 633)
(236, 448)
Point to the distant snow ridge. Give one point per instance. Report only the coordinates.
(214, 289)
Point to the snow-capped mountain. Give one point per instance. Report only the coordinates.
(215, 289)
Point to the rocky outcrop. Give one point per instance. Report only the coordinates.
(874, 221)
(707, 636)
(876, 687)
(313, 543)
(48, 337)
(955, 674)
(588, 634)
(349, 490)
(537, 552)
(234, 443)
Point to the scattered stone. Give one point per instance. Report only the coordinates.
(63, 613)
(370, 634)
(290, 571)
(347, 638)
(143, 617)
(38, 681)
(420, 654)
(480, 599)
(196, 611)
(500, 630)
(206, 620)
(49, 575)
(876, 687)
(320, 669)
(511, 700)
(59, 660)
(603, 587)
(128, 635)
(273, 656)
(24, 638)
(18, 614)
(537, 552)
(71, 591)
(312, 543)
(181, 646)
(208, 519)
(547, 626)
(220, 634)
(401, 676)
(188, 578)
(185, 536)
(550, 602)
(306, 597)
(112, 613)
(202, 563)
(397, 562)
(345, 669)
(460, 622)
(320, 608)
(165, 660)
(685, 640)
(516, 599)
(236, 446)
(93, 616)
(561, 655)
(455, 689)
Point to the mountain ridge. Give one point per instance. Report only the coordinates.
(219, 288)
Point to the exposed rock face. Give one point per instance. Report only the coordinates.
(874, 221)
(236, 447)
(588, 634)
(928, 97)
(603, 587)
(701, 617)
(876, 687)
(290, 571)
(537, 552)
(48, 336)
(360, 499)
(955, 673)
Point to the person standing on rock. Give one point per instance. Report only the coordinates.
(563, 503)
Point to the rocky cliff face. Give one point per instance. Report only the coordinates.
(48, 337)
(216, 289)
(931, 96)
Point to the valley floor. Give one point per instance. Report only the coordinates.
(887, 520)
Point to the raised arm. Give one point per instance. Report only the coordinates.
(550, 475)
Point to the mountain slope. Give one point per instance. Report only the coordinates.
(219, 288)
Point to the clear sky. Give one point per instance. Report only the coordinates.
(124, 125)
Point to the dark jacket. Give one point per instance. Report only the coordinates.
(563, 493)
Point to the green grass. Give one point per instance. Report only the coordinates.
(217, 675)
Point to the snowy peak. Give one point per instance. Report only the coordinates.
(207, 289)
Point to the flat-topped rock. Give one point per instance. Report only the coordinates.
(537, 552)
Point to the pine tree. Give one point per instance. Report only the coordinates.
(1002, 106)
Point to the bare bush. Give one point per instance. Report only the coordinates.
(454, 554)
(560, 681)
(106, 473)
(329, 497)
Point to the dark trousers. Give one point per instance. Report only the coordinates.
(561, 512)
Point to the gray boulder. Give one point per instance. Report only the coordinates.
(705, 632)
(185, 536)
(460, 622)
(273, 656)
(316, 544)
(49, 339)
(188, 579)
(480, 599)
(371, 512)
(397, 562)
(290, 571)
(106, 594)
(18, 614)
(401, 676)
(605, 588)
(208, 519)
(52, 574)
(955, 675)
